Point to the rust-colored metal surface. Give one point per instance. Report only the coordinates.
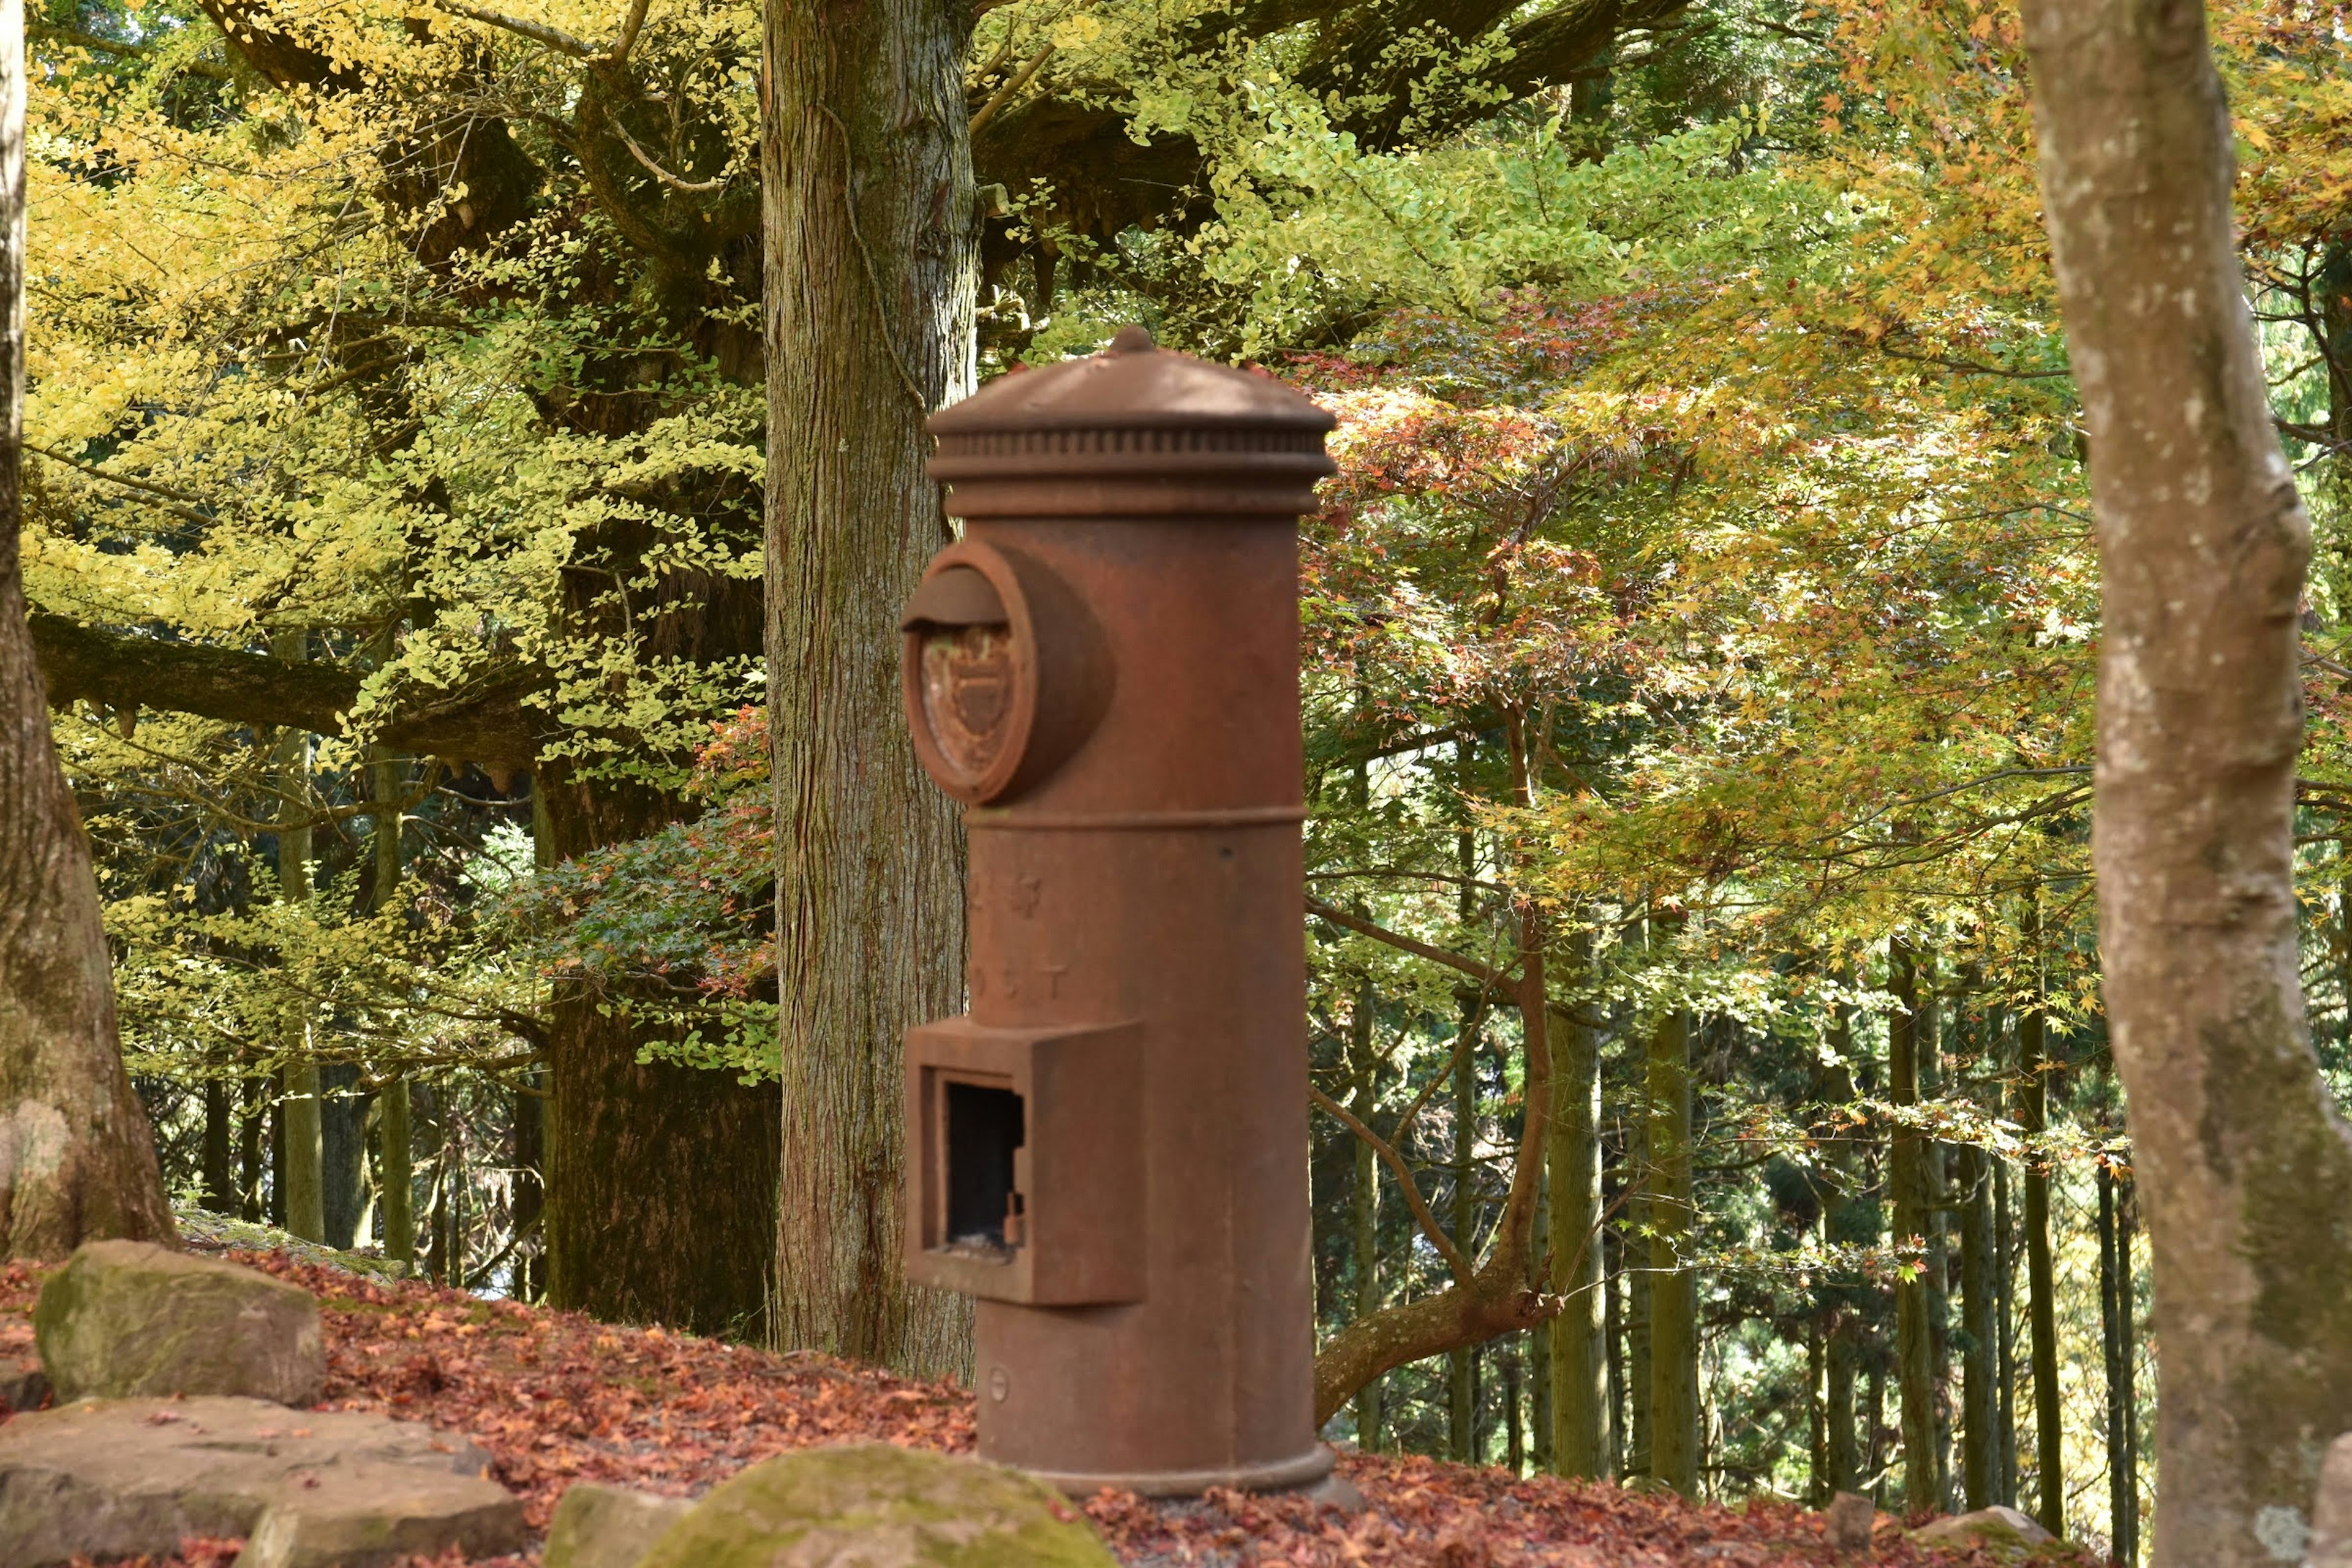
(1111, 1149)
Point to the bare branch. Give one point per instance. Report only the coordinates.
(555, 39)
(1455, 1264)
(629, 27)
(1013, 85)
(1500, 979)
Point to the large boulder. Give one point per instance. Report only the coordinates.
(128, 1320)
(2003, 1533)
(875, 1506)
(124, 1478)
(608, 1527)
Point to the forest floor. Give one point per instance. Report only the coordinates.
(557, 1398)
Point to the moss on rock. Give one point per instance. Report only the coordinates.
(876, 1505)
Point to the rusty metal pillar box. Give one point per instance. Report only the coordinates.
(1109, 1150)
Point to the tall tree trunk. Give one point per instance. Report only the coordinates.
(2202, 544)
(1938, 1231)
(1364, 1209)
(1849, 1218)
(1981, 1306)
(871, 247)
(2127, 1304)
(2005, 1296)
(1673, 1287)
(1914, 1348)
(1462, 1362)
(661, 1179)
(2111, 1343)
(220, 1138)
(301, 1159)
(1615, 1286)
(77, 1160)
(2033, 1116)
(343, 1153)
(398, 1144)
(250, 1115)
(1582, 1443)
(395, 1146)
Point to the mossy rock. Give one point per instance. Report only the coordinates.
(876, 1505)
(130, 1320)
(2003, 1533)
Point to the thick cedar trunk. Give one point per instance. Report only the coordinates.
(2242, 1161)
(1674, 1286)
(1581, 1442)
(1914, 1350)
(872, 249)
(660, 1178)
(77, 1161)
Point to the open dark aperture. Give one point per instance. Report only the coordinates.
(984, 1127)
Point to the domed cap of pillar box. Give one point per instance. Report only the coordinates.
(1135, 431)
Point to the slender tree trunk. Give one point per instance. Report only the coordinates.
(1515, 1442)
(1581, 1442)
(2111, 1343)
(77, 1160)
(249, 1163)
(399, 1175)
(306, 1194)
(1907, 1176)
(1641, 1298)
(1938, 1234)
(1817, 1410)
(1980, 1370)
(2050, 1434)
(2005, 1253)
(1673, 1287)
(1849, 1218)
(2128, 1305)
(220, 1138)
(872, 247)
(1364, 1209)
(1462, 1363)
(394, 1135)
(1621, 1417)
(2242, 1157)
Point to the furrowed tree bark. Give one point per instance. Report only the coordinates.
(77, 1160)
(2242, 1162)
(872, 254)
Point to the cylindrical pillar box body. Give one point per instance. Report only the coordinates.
(1110, 1149)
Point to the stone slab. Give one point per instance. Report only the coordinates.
(124, 1477)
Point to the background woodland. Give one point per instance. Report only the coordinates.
(1698, 663)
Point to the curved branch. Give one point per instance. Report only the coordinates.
(1455, 1264)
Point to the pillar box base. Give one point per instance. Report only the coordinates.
(1290, 1475)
